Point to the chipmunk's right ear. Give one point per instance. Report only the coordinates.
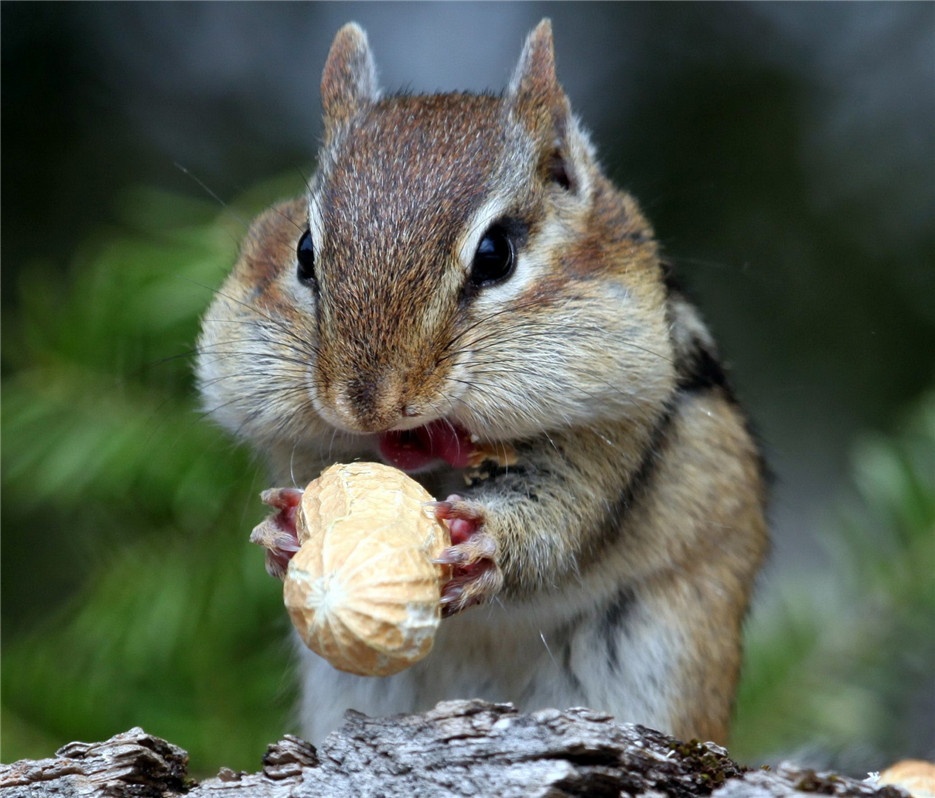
(349, 79)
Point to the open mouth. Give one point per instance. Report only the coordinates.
(408, 450)
(415, 449)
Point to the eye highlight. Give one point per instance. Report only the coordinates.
(305, 254)
(495, 257)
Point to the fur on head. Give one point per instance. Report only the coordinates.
(391, 323)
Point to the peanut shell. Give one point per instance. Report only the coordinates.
(915, 776)
(362, 590)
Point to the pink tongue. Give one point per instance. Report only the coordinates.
(413, 449)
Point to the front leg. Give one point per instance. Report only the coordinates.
(532, 527)
(475, 575)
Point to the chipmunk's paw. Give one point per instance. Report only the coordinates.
(475, 575)
(277, 533)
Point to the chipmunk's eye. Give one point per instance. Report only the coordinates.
(494, 259)
(305, 253)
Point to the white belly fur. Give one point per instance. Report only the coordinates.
(493, 653)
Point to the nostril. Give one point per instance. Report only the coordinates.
(362, 392)
(370, 400)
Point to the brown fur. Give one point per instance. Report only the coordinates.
(616, 557)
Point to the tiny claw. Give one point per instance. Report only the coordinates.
(463, 518)
(455, 506)
(277, 564)
(453, 592)
(452, 556)
(280, 544)
(472, 556)
(270, 534)
(478, 548)
(475, 585)
(451, 601)
(282, 498)
(277, 532)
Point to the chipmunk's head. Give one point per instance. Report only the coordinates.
(421, 218)
(448, 264)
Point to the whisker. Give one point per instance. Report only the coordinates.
(205, 187)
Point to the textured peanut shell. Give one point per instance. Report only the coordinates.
(362, 590)
(913, 775)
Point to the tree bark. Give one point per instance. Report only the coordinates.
(460, 748)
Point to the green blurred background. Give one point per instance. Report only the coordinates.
(786, 154)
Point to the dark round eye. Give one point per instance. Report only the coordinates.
(494, 259)
(305, 253)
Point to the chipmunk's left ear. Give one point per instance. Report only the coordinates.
(539, 103)
(534, 91)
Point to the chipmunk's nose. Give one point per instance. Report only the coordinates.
(373, 401)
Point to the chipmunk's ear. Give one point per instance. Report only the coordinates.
(538, 102)
(534, 92)
(349, 79)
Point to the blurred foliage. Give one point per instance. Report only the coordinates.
(136, 599)
(840, 667)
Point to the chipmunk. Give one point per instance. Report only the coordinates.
(462, 277)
